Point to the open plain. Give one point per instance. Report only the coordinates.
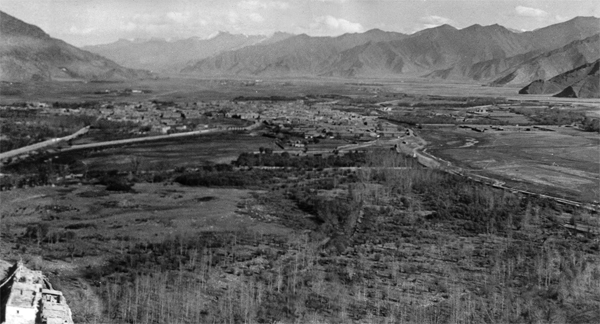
(561, 160)
(314, 216)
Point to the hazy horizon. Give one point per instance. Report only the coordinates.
(89, 22)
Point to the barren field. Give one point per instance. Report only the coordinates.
(194, 151)
(187, 89)
(170, 89)
(564, 161)
(151, 212)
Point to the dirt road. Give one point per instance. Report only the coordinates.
(42, 145)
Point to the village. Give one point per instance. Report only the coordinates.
(311, 121)
(296, 125)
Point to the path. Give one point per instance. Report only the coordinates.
(42, 145)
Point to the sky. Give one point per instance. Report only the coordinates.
(90, 22)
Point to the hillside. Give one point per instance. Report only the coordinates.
(27, 53)
(442, 52)
(171, 56)
(299, 55)
(581, 82)
(530, 66)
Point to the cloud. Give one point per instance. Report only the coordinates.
(171, 24)
(253, 5)
(334, 1)
(530, 12)
(202, 22)
(247, 12)
(233, 17)
(148, 22)
(252, 11)
(179, 17)
(128, 26)
(256, 17)
(329, 25)
(81, 31)
(561, 18)
(432, 21)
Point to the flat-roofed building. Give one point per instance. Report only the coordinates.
(31, 299)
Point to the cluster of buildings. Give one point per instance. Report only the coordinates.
(314, 120)
(158, 117)
(319, 120)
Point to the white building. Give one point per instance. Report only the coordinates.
(30, 294)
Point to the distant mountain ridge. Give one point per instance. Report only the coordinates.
(477, 53)
(551, 63)
(297, 55)
(27, 53)
(581, 82)
(492, 55)
(171, 56)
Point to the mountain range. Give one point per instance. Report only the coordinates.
(27, 53)
(165, 56)
(491, 55)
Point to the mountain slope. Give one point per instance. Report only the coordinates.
(435, 48)
(581, 82)
(525, 69)
(164, 56)
(558, 35)
(542, 53)
(298, 55)
(28, 53)
(441, 52)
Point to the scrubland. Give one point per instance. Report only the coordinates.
(391, 242)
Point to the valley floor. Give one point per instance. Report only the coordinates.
(367, 251)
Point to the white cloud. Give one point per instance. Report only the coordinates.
(256, 17)
(431, 21)
(202, 22)
(258, 5)
(530, 12)
(329, 25)
(173, 24)
(252, 11)
(81, 31)
(561, 18)
(251, 5)
(148, 18)
(128, 26)
(280, 5)
(233, 17)
(434, 21)
(179, 17)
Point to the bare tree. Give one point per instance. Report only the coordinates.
(136, 163)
